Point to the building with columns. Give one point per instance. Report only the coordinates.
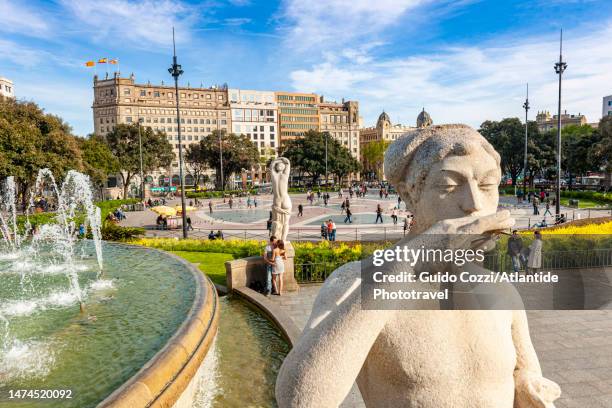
(122, 100)
(7, 89)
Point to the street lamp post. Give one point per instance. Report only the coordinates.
(559, 69)
(175, 70)
(221, 162)
(326, 137)
(526, 107)
(142, 182)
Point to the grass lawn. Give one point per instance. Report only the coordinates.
(584, 203)
(211, 263)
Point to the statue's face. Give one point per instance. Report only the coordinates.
(459, 186)
(280, 166)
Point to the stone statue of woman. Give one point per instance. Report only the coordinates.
(281, 202)
(448, 176)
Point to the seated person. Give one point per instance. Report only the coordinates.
(212, 236)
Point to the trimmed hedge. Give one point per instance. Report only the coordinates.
(217, 194)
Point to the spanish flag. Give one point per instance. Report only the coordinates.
(113, 61)
(90, 63)
(102, 61)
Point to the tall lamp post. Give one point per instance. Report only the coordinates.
(526, 107)
(175, 70)
(326, 137)
(142, 181)
(221, 162)
(559, 69)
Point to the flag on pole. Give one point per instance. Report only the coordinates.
(114, 61)
(90, 63)
(102, 61)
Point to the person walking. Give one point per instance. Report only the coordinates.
(394, 216)
(269, 260)
(406, 225)
(324, 231)
(189, 226)
(535, 253)
(249, 202)
(342, 207)
(349, 214)
(333, 230)
(279, 266)
(380, 193)
(255, 201)
(379, 212)
(547, 209)
(210, 207)
(230, 202)
(536, 210)
(300, 210)
(515, 248)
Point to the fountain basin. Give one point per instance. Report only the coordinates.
(148, 323)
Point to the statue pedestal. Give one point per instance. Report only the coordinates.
(245, 271)
(289, 282)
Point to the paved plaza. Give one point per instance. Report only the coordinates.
(250, 223)
(573, 348)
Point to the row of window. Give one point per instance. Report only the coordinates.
(250, 128)
(128, 119)
(158, 94)
(285, 118)
(296, 98)
(252, 114)
(252, 98)
(173, 112)
(297, 111)
(298, 126)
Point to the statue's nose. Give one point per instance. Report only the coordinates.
(471, 201)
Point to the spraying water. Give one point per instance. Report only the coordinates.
(57, 238)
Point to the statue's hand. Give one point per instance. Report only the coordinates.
(534, 391)
(458, 232)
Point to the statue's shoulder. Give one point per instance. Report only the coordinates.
(338, 286)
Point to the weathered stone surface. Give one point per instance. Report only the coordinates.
(421, 358)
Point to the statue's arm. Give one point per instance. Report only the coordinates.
(323, 365)
(531, 389)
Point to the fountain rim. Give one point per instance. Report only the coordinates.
(164, 378)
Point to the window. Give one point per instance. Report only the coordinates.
(220, 97)
(128, 119)
(125, 91)
(261, 128)
(208, 96)
(143, 92)
(271, 128)
(170, 95)
(610, 103)
(272, 143)
(156, 94)
(223, 122)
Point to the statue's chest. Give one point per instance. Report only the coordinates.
(439, 345)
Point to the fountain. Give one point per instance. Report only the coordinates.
(64, 323)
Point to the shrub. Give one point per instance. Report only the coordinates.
(113, 232)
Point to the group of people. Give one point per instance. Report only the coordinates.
(328, 230)
(116, 216)
(528, 258)
(274, 257)
(215, 236)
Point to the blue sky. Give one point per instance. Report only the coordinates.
(464, 61)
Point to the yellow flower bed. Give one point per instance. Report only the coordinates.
(605, 228)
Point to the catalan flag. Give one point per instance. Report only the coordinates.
(102, 61)
(90, 63)
(114, 61)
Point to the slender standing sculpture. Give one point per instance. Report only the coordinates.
(281, 202)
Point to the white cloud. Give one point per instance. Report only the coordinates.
(471, 84)
(142, 23)
(236, 22)
(332, 23)
(18, 18)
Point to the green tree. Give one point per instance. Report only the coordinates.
(508, 138)
(196, 161)
(577, 142)
(601, 151)
(124, 144)
(373, 154)
(98, 160)
(31, 140)
(238, 153)
(307, 156)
